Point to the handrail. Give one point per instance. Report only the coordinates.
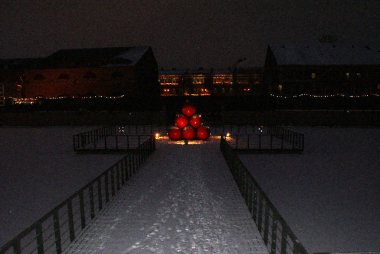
(54, 231)
(276, 233)
(115, 138)
(283, 141)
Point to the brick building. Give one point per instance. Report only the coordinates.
(123, 71)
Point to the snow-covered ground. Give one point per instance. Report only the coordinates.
(330, 194)
(183, 200)
(39, 170)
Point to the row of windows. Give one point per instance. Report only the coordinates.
(87, 75)
(347, 75)
(203, 90)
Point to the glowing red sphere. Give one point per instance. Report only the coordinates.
(196, 121)
(203, 132)
(181, 121)
(174, 133)
(188, 133)
(188, 110)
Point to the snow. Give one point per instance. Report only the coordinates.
(329, 195)
(183, 200)
(39, 170)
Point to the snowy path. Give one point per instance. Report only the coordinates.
(183, 200)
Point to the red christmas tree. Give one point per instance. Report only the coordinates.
(189, 125)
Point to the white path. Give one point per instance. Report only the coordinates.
(183, 200)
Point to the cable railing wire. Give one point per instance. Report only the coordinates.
(265, 215)
(42, 238)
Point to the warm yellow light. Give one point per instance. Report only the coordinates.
(157, 135)
(228, 135)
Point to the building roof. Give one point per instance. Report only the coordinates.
(89, 57)
(324, 54)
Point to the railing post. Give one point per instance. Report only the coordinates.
(92, 205)
(57, 232)
(274, 235)
(82, 211)
(112, 181)
(284, 235)
(266, 222)
(100, 200)
(17, 247)
(117, 177)
(254, 202)
(122, 168)
(40, 239)
(260, 214)
(71, 219)
(106, 187)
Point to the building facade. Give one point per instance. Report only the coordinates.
(126, 71)
(322, 69)
(240, 82)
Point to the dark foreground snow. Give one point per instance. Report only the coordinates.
(330, 194)
(39, 170)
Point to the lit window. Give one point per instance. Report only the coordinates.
(347, 75)
(313, 75)
(279, 87)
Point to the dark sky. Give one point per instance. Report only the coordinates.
(183, 33)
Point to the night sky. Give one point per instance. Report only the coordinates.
(183, 33)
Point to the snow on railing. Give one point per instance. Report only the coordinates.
(59, 227)
(276, 233)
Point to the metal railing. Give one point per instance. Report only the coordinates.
(275, 232)
(108, 139)
(59, 227)
(288, 142)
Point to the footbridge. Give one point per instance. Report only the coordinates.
(166, 197)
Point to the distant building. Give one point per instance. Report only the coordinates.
(322, 69)
(124, 71)
(210, 82)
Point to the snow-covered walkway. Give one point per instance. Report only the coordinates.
(183, 200)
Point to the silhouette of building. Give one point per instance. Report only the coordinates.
(322, 69)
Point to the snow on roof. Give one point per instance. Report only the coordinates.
(324, 54)
(133, 54)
